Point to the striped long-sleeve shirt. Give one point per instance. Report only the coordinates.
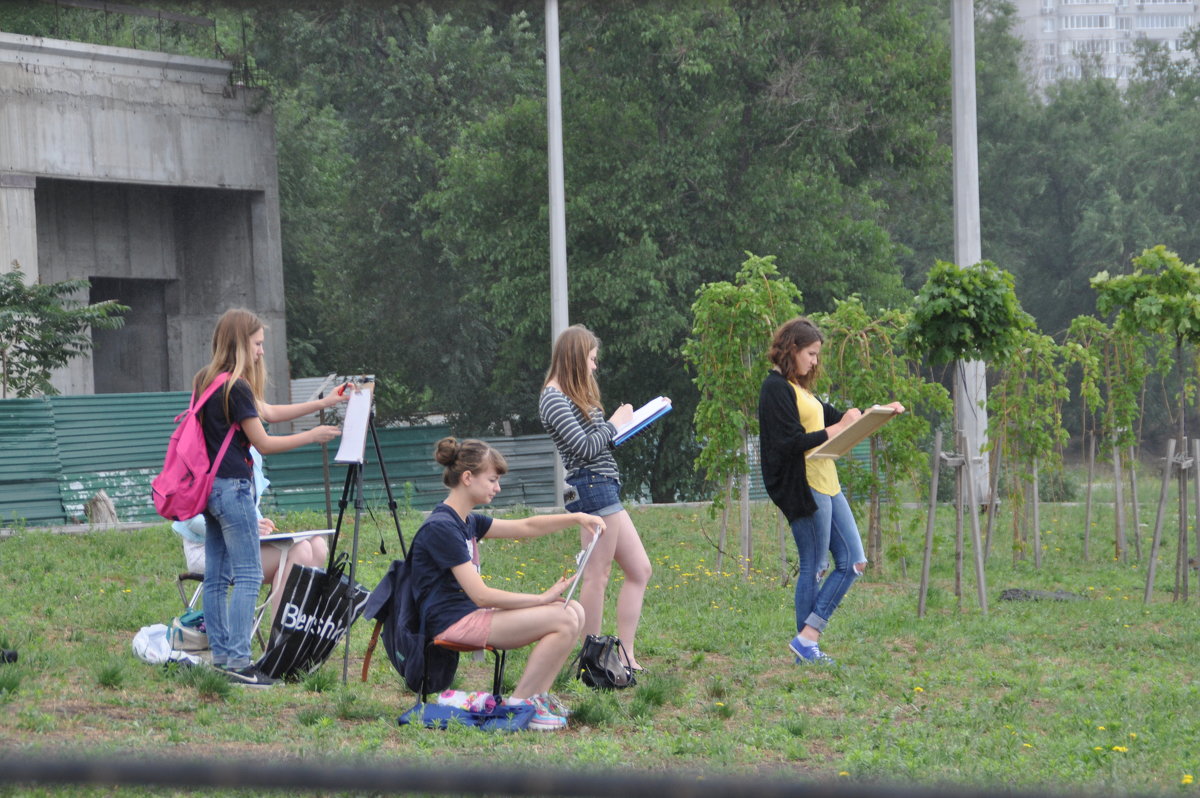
(581, 442)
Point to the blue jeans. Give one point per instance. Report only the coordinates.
(231, 555)
(830, 529)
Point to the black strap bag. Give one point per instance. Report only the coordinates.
(600, 664)
(316, 610)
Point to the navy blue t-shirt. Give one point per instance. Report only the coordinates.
(237, 463)
(443, 542)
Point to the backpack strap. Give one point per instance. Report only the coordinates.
(196, 405)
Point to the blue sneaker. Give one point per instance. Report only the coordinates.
(809, 655)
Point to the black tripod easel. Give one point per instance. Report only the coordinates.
(354, 488)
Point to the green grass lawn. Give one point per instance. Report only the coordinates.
(1096, 694)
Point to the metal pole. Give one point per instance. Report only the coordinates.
(559, 319)
(969, 412)
(558, 213)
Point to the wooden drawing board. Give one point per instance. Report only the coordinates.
(870, 421)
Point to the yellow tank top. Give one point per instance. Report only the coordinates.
(822, 474)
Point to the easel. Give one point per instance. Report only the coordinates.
(1184, 466)
(964, 484)
(354, 488)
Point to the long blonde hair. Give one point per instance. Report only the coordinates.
(569, 368)
(231, 352)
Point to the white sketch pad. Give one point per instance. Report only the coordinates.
(308, 533)
(354, 428)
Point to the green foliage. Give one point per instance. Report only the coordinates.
(1160, 297)
(731, 332)
(1114, 365)
(44, 326)
(727, 127)
(966, 313)
(1025, 403)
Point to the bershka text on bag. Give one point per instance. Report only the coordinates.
(292, 617)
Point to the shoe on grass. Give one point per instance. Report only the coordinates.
(543, 719)
(809, 655)
(248, 676)
(556, 707)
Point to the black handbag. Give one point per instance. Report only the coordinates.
(600, 664)
(316, 610)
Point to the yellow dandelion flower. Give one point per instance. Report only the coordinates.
(847, 773)
(1120, 749)
(1133, 735)
(1097, 748)
(1101, 728)
(1187, 779)
(1026, 745)
(720, 703)
(918, 689)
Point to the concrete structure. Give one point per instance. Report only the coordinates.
(154, 177)
(1065, 35)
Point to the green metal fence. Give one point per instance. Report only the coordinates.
(56, 453)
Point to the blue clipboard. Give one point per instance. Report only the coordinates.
(643, 417)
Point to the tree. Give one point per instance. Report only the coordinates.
(1161, 296)
(42, 328)
(964, 313)
(693, 132)
(727, 350)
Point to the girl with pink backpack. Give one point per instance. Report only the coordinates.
(231, 546)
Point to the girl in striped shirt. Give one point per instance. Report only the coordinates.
(570, 410)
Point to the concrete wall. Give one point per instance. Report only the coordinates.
(153, 177)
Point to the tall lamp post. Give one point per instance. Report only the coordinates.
(558, 206)
(970, 377)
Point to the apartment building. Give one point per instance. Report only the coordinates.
(1065, 35)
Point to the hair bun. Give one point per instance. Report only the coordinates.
(445, 451)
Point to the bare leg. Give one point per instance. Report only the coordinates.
(309, 551)
(554, 627)
(631, 556)
(595, 576)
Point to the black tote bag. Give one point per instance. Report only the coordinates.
(316, 610)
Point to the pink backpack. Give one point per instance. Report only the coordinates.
(182, 487)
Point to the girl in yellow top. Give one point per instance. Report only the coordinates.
(791, 422)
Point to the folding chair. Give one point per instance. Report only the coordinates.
(500, 654)
(260, 611)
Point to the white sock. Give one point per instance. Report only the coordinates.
(804, 641)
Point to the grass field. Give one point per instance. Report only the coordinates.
(1099, 694)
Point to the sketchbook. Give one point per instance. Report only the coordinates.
(354, 428)
(308, 533)
(871, 420)
(645, 415)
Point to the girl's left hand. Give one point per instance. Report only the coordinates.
(555, 593)
(591, 523)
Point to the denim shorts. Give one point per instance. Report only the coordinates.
(597, 495)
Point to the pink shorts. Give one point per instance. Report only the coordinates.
(470, 630)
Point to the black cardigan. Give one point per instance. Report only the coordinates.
(782, 444)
